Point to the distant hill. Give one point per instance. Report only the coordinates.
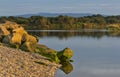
(56, 14)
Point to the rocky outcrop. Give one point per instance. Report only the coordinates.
(15, 36)
(14, 62)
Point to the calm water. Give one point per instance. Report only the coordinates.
(96, 54)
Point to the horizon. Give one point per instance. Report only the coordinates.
(37, 14)
(21, 7)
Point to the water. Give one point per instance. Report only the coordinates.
(96, 54)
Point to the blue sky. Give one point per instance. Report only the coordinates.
(18, 7)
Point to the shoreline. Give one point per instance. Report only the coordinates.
(18, 63)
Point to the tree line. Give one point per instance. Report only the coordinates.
(64, 22)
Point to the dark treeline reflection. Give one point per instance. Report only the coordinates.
(68, 34)
(67, 67)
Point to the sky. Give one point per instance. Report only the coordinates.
(20, 7)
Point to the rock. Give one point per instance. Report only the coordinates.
(42, 50)
(15, 36)
(6, 39)
(30, 38)
(50, 53)
(4, 30)
(1, 38)
(17, 32)
(28, 46)
(65, 54)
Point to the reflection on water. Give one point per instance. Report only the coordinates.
(96, 53)
(67, 67)
(68, 34)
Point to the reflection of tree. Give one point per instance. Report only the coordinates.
(67, 34)
(114, 34)
(66, 67)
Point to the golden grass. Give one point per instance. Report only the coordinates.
(16, 39)
(30, 38)
(4, 30)
(18, 33)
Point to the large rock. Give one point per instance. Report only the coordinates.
(17, 33)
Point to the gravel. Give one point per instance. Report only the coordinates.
(18, 63)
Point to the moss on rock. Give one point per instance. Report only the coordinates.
(65, 54)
